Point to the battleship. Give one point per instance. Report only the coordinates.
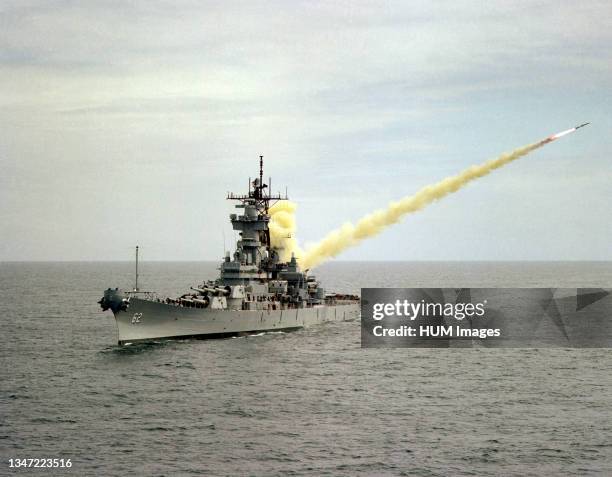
(255, 292)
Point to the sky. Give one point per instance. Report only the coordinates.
(125, 123)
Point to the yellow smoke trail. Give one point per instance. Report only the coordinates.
(282, 230)
(349, 235)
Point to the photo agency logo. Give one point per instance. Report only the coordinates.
(486, 317)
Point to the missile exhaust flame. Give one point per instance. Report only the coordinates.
(562, 133)
(350, 235)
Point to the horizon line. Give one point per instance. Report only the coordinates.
(331, 261)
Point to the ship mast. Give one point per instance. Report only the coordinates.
(261, 174)
(258, 195)
(136, 284)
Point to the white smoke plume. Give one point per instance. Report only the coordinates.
(282, 230)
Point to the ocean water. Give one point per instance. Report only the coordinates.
(311, 402)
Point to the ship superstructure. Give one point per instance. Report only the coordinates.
(255, 290)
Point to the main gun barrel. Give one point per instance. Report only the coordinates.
(203, 290)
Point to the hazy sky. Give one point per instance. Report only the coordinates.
(127, 122)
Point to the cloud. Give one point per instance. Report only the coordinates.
(335, 89)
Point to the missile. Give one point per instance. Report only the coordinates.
(563, 133)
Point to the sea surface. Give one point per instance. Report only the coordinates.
(311, 402)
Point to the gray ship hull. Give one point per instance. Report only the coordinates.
(146, 320)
